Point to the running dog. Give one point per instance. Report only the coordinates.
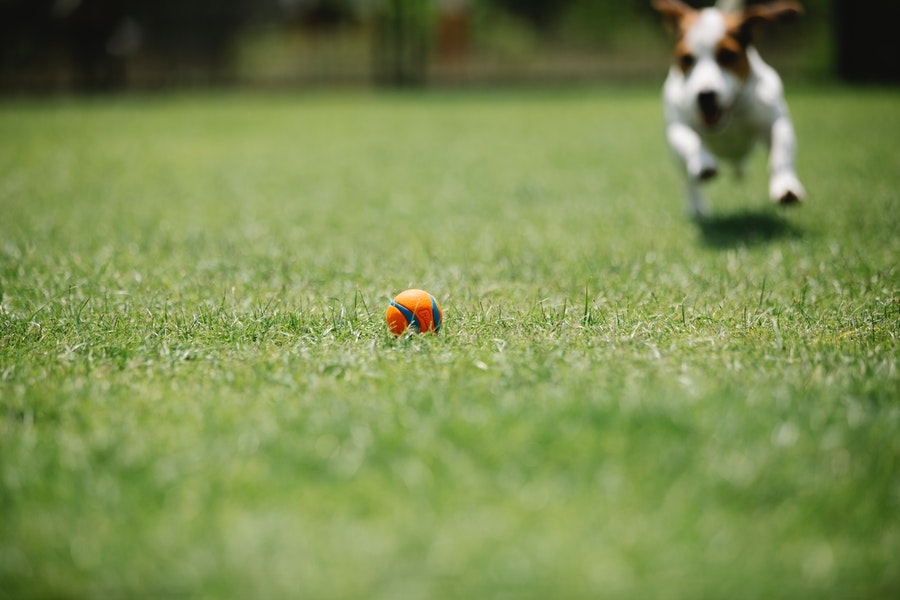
(721, 99)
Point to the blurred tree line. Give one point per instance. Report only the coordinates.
(52, 45)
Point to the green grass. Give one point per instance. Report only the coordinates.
(199, 398)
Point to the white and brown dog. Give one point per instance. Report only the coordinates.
(721, 99)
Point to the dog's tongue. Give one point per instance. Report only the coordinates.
(712, 116)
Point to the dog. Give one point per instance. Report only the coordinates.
(721, 99)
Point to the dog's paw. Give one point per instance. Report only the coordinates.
(786, 189)
(703, 167)
(708, 173)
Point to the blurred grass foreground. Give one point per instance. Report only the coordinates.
(93, 45)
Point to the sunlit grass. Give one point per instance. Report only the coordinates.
(200, 398)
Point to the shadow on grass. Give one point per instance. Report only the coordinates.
(746, 228)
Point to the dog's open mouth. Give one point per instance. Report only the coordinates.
(710, 109)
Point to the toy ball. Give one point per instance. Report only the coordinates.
(416, 310)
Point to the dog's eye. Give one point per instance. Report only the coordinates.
(726, 57)
(687, 62)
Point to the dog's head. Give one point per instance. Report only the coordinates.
(711, 51)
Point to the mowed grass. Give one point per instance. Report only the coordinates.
(199, 397)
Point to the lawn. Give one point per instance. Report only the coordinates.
(199, 397)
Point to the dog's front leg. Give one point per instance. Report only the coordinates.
(784, 186)
(699, 164)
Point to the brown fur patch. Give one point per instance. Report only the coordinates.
(683, 57)
(687, 21)
(732, 55)
(681, 50)
(734, 44)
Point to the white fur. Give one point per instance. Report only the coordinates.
(754, 110)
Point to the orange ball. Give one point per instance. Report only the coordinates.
(414, 309)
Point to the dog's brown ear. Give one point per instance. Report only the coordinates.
(673, 11)
(760, 14)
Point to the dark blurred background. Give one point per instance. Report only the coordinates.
(55, 46)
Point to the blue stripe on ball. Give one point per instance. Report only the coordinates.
(411, 319)
(435, 315)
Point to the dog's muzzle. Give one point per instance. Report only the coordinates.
(710, 109)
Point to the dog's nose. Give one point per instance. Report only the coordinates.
(708, 101)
